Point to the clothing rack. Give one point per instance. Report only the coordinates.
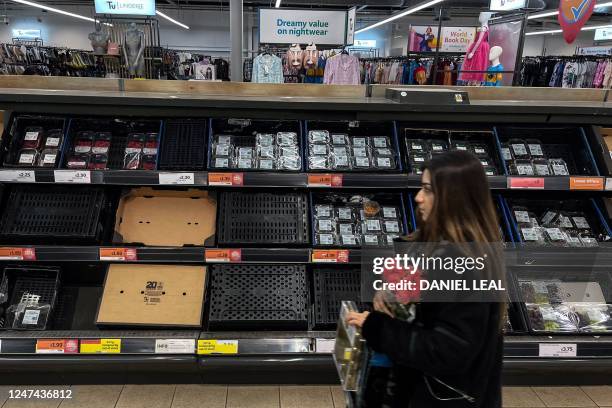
(571, 71)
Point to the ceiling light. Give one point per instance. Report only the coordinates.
(159, 13)
(278, 2)
(560, 31)
(54, 10)
(554, 13)
(400, 15)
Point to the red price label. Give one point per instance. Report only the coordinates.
(57, 346)
(225, 179)
(17, 254)
(325, 180)
(223, 255)
(330, 255)
(118, 254)
(536, 183)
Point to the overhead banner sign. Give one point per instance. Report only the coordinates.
(603, 34)
(594, 51)
(26, 33)
(293, 26)
(573, 14)
(506, 5)
(454, 39)
(126, 7)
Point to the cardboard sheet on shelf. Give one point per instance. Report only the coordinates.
(153, 295)
(166, 217)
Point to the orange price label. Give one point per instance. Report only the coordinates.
(536, 183)
(225, 179)
(17, 254)
(118, 254)
(223, 255)
(330, 255)
(325, 180)
(587, 183)
(57, 346)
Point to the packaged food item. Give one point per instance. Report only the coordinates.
(391, 239)
(325, 239)
(535, 148)
(149, 161)
(372, 239)
(417, 146)
(371, 208)
(288, 151)
(523, 168)
(519, 149)
(83, 142)
(340, 139)
(389, 212)
(48, 158)
(244, 162)
(325, 225)
(346, 228)
(245, 153)
(27, 157)
(384, 152)
(53, 139)
(133, 152)
(359, 141)
(319, 150)
(360, 151)
(555, 236)
(344, 213)
(380, 142)
(490, 171)
(384, 162)
(223, 139)
(340, 162)
(485, 161)
(541, 167)
(266, 152)
(265, 164)
(318, 137)
(265, 139)
(373, 225)
(340, 150)
(439, 146)
(318, 163)
(286, 139)
(532, 234)
(289, 163)
(391, 227)
(100, 162)
(222, 150)
(151, 144)
(480, 150)
(350, 240)
(580, 222)
(78, 161)
(559, 167)
(506, 152)
(361, 162)
(102, 141)
(32, 137)
(417, 159)
(221, 162)
(523, 216)
(324, 211)
(460, 145)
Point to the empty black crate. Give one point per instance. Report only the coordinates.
(258, 297)
(18, 281)
(183, 145)
(566, 143)
(44, 214)
(263, 218)
(331, 287)
(119, 128)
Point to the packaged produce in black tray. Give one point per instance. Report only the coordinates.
(256, 145)
(346, 220)
(567, 302)
(112, 143)
(550, 151)
(27, 296)
(563, 222)
(33, 141)
(345, 146)
(421, 144)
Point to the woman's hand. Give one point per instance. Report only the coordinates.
(356, 319)
(380, 305)
(470, 55)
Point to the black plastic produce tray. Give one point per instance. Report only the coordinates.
(183, 145)
(43, 213)
(258, 297)
(331, 287)
(263, 218)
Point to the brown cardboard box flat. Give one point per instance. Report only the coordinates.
(153, 295)
(166, 217)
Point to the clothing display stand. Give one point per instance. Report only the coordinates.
(261, 335)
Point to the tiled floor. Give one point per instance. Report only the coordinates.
(215, 396)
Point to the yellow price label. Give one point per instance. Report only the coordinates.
(101, 346)
(217, 346)
(348, 353)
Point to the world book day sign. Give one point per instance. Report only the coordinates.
(291, 26)
(454, 39)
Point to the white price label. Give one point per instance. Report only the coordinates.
(558, 350)
(555, 234)
(26, 158)
(609, 183)
(536, 150)
(522, 216)
(389, 212)
(30, 136)
(0, 345)
(22, 176)
(30, 317)
(325, 345)
(72, 176)
(52, 142)
(176, 178)
(519, 149)
(175, 346)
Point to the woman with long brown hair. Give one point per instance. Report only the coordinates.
(450, 353)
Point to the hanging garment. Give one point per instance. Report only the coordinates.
(267, 69)
(342, 69)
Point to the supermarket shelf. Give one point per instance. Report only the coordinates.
(294, 180)
(516, 258)
(587, 346)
